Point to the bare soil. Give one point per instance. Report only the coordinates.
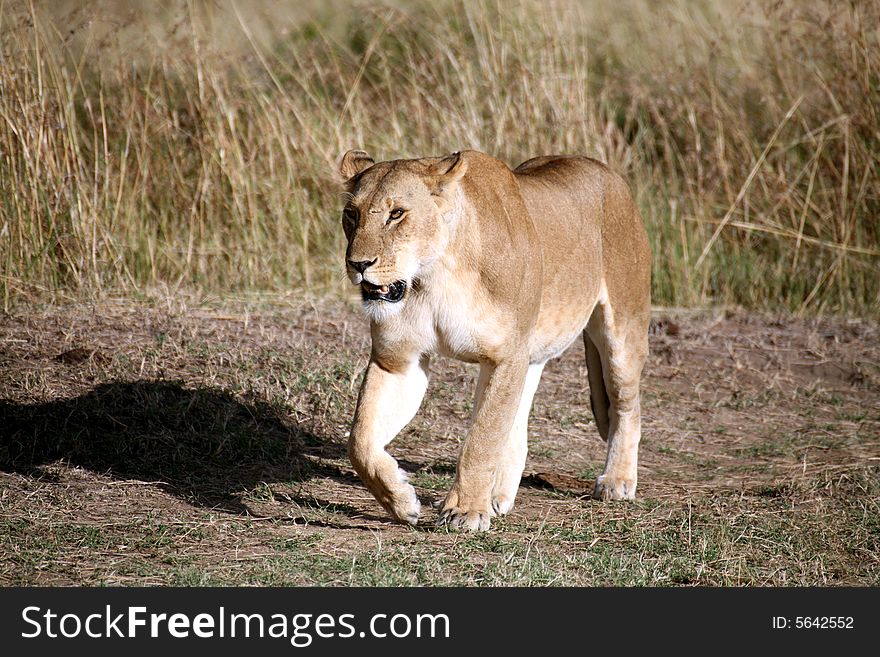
(177, 442)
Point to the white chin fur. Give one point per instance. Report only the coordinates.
(380, 310)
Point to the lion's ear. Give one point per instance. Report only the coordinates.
(353, 162)
(447, 172)
(450, 169)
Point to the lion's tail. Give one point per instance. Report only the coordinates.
(598, 395)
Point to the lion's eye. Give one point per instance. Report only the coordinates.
(394, 215)
(350, 215)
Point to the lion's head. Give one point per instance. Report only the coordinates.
(397, 221)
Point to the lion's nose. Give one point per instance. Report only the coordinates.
(361, 266)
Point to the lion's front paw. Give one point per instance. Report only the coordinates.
(504, 491)
(407, 510)
(401, 501)
(501, 504)
(405, 505)
(457, 518)
(614, 488)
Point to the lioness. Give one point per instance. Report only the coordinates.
(459, 255)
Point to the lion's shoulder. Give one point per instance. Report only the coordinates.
(568, 164)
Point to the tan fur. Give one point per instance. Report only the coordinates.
(505, 269)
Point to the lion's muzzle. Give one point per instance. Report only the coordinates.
(391, 293)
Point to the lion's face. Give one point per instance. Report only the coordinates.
(396, 225)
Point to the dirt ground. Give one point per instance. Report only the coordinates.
(183, 442)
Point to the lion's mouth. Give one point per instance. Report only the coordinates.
(391, 293)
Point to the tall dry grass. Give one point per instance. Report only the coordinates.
(195, 144)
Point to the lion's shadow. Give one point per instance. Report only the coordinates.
(203, 445)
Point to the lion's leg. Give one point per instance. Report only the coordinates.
(482, 380)
(513, 455)
(469, 502)
(623, 349)
(388, 400)
(599, 402)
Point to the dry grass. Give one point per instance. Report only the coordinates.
(195, 145)
(192, 147)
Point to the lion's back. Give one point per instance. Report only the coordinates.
(581, 211)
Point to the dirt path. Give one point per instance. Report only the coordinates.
(204, 444)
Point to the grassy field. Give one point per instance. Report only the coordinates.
(205, 444)
(179, 362)
(195, 144)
